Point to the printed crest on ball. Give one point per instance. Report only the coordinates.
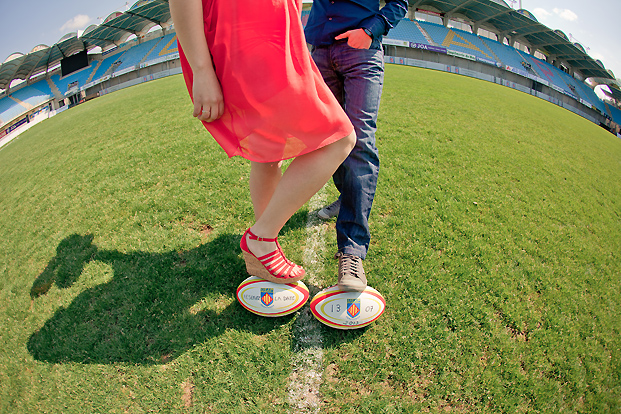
(267, 297)
(353, 308)
(347, 310)
(271, 299)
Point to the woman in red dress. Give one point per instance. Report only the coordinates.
(259, 94)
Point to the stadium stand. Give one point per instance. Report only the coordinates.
(76, 79)
(9, 110)
(437, 32)
(155, 54)
(104, 67)
(24, 100)
(468, 43)
(34, 95)
(508, 56)
(545, 71)
(566, 82)
(456, 40)
(128, 57)
(407, 30)
(166, 46)
(614, 112)
(133, 56)
(488, 50)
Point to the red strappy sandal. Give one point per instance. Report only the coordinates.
(274, 266)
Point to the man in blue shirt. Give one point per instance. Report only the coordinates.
(346, 40)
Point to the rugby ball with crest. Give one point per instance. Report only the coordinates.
(271, 299)
(347, 310)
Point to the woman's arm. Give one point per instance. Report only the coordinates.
(206, 92)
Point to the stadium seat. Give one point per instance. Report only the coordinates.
(134, 55)
(462, 41)
(166, 45)
(9, 110)
(80, 77)
(437, 32)
(508, 56)
(408, 31)
(615, 113)
(104, 67)
(23, 100)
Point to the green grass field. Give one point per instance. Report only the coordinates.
(496, 243)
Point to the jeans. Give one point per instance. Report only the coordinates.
(356, 77)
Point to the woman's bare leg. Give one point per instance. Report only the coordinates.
(302, 179)
(264, 178)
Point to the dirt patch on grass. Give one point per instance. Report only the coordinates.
(188, 393)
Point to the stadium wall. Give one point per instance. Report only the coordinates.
(135, 77)
(429, 59)
(27, 122)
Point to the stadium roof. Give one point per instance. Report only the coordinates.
(117, 27)
(141, 17)
(145, 14)
(615, 92)
(519, 24)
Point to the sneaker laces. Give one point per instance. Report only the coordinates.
(348, 264)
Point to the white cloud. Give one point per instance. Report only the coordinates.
(541, 14)
(78, 22)
(566, 14)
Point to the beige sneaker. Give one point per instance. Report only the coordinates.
(351, 273)
(331, 210)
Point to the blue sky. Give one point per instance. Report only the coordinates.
(594, 24)
(29, 23)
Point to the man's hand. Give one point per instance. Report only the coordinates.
(357, 38)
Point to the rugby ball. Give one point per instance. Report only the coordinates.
(347, 310)
(271, 299)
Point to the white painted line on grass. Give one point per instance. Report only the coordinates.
(307, 362)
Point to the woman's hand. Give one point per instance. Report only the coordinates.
(207, 95)
(206, 90)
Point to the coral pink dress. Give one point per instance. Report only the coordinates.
(277, 105)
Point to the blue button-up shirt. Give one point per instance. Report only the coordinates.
(330, 18)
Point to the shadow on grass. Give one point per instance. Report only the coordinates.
(152, 308)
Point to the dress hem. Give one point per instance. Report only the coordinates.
(325, 143)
